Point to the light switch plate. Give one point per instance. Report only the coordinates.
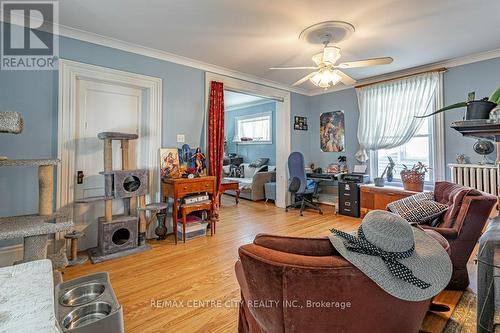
(181, 138)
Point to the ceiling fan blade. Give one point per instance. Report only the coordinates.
(304, 79)
(345, 79)
(366, 62)
(299, 67)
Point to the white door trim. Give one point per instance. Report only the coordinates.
(69, 73)
(283, 146)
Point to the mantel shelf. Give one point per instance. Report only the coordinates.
(482, 129)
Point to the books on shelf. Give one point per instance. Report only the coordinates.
(191, 199)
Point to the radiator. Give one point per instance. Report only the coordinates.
(480, 177)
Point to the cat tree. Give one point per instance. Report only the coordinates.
(123, 234)
(34, 228)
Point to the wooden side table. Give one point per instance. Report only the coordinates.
(229, 185)
(177, 188)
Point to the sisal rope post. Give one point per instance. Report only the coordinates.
(142, 220)
(108, 167)
(46, 189)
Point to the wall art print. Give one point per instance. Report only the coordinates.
(332, 131)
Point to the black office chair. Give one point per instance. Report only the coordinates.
(303, 190)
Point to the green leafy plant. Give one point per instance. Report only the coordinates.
(494, 98)
(419, 168)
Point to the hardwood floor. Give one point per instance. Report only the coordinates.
(193, 285)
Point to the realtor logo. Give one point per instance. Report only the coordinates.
(29, 36)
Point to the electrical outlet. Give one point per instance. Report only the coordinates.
(181, 138)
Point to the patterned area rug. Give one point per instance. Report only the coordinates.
(463, 319)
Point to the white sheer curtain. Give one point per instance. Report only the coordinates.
(387, 110)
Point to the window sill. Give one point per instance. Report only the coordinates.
(253, 142)
(428, 186)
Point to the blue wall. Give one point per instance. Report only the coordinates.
(346, 101)
(35, 95)
(250, 152)
(300, 106)
(483, 78)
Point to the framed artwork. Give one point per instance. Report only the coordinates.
(300, 123)
(169, 163)
(331, 131)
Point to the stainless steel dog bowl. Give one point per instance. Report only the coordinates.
(82, 294)
(86, 314)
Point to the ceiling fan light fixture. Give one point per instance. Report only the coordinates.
(325, 78)
(331, 54)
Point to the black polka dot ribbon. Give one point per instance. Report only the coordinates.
(361, 245)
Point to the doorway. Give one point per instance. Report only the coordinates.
(95, 99)
(282, 127)
(250, 144)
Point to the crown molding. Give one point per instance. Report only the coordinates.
(450, 63)
(170, 57)
(210, 68)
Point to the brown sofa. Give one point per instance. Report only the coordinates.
(462, 224)
(283, 281)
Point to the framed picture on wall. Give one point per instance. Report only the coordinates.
(300, 123)
(332, 131)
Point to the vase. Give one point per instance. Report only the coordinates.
(379, 181)
(412, 180)
(479, 110)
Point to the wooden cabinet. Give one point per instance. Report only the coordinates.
(373, 197)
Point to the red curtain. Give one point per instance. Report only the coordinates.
(216, 138)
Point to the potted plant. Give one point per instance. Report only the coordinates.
(479, 109)
(389, 169)
(413, 179)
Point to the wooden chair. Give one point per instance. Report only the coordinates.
(191, 208)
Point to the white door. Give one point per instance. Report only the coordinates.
(101, 107)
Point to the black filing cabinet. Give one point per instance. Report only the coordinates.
(349, 194)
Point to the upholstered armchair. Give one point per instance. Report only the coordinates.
(291, 284)
(461, 225)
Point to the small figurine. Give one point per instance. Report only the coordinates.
(199, 159)
(461, 159)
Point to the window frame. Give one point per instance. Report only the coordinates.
(436, 135)
(250, 117)
(432, 149)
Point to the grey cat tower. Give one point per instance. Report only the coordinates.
(35, 228)
(124, 234)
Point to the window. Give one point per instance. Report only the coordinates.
(256, 128)
(419, 148)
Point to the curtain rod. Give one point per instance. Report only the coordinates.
(440, 69)
(272, 98)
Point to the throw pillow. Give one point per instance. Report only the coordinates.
(259, 162)
(419, 208)
(226, 170)
(237, 171)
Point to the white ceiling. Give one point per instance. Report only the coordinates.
(232, 99)
(251, 36)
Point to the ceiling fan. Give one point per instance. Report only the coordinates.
(327, 72)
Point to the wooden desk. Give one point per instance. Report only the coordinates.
(177, 188)
(373, 197)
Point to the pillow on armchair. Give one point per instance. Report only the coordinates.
(419, 208)
(259, 162)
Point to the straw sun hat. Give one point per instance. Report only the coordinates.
(401, 259)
